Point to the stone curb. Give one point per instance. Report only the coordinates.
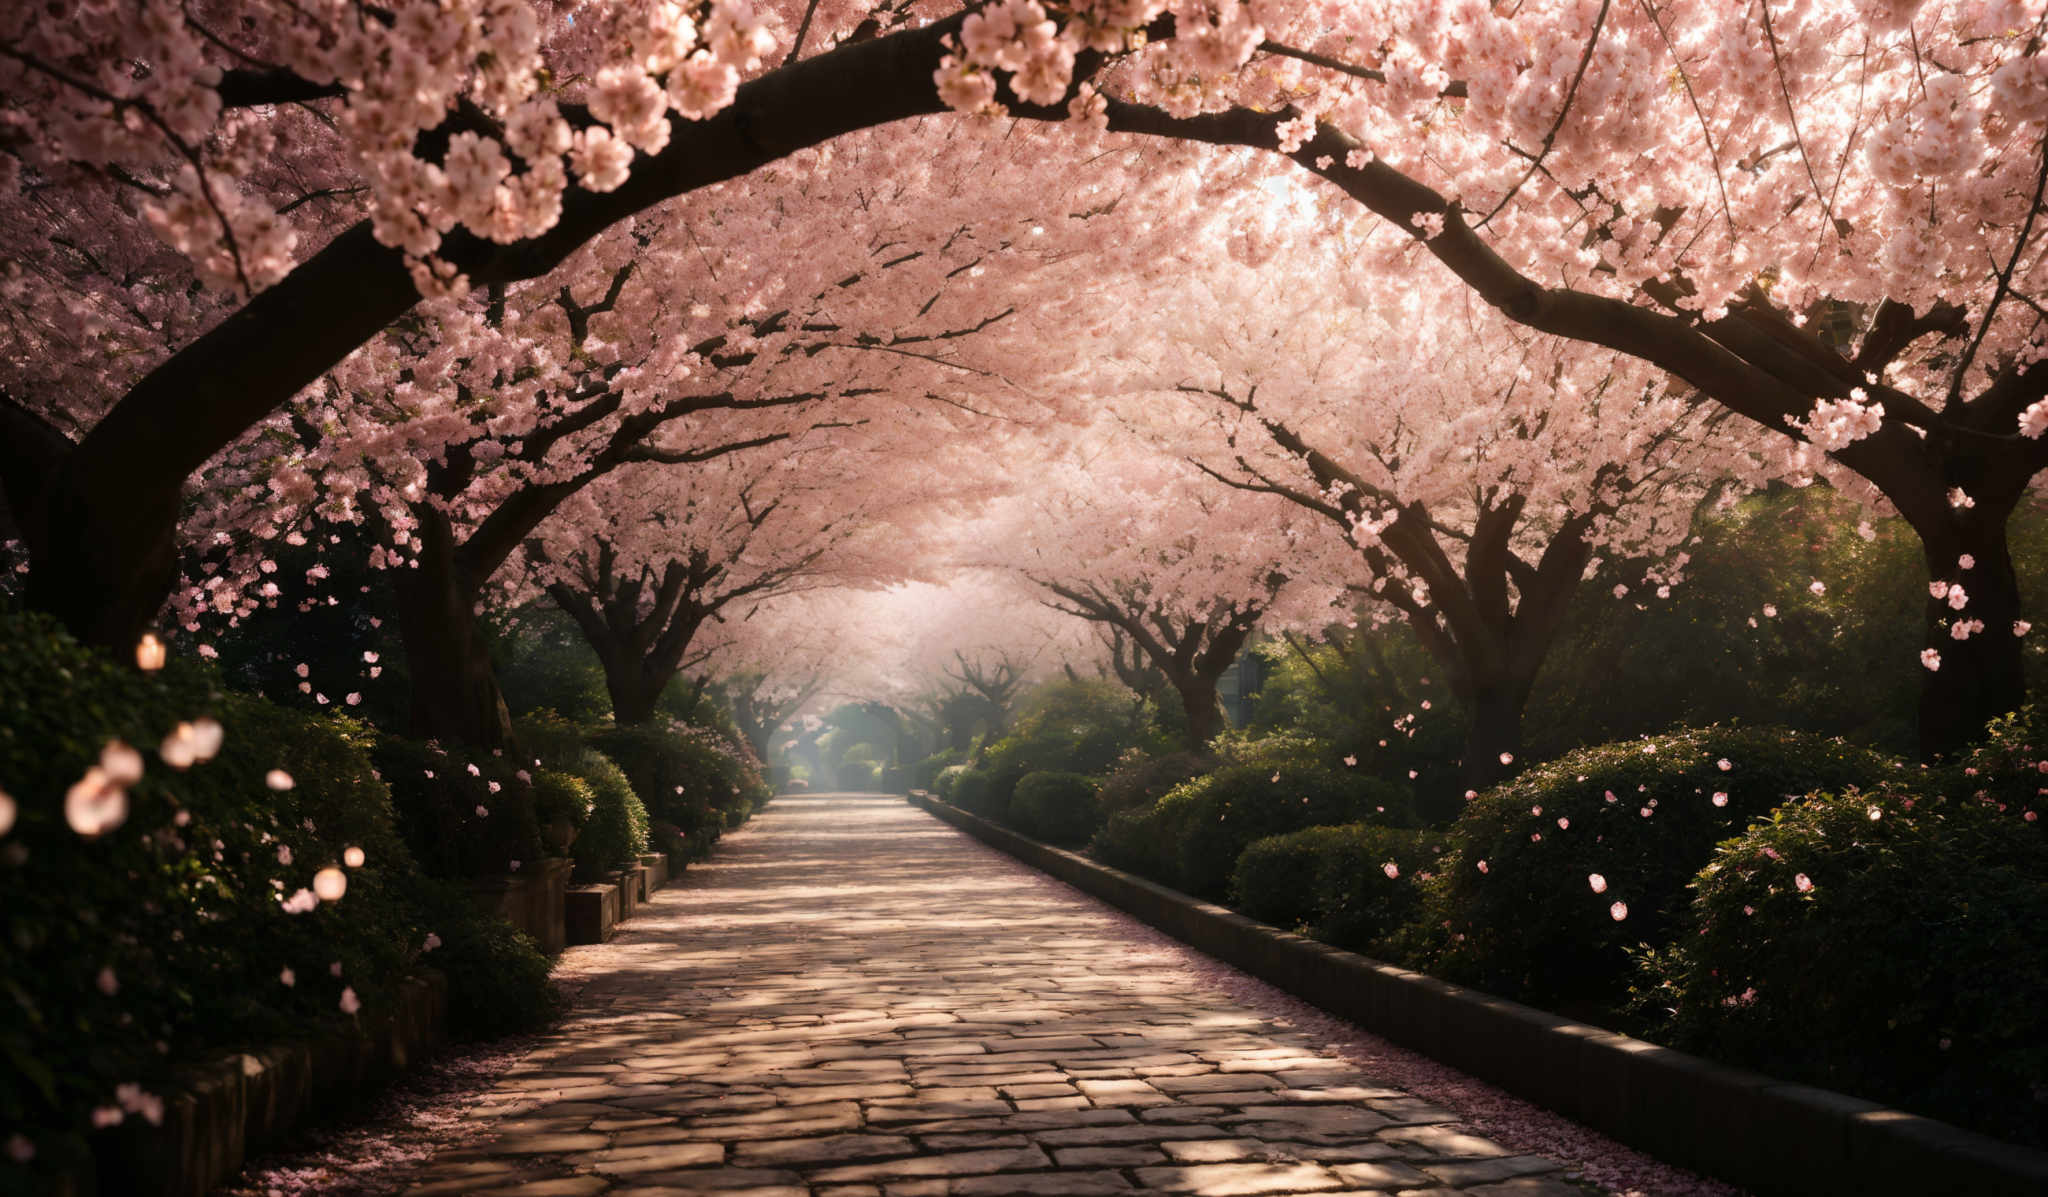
(240, 1104)
(1767, 1135)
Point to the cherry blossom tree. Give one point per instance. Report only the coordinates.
(433, 148)
(660, 553)
(1430, 457)
(1168, 565)
(1823, 217)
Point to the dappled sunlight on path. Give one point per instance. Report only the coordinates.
(854, 1000)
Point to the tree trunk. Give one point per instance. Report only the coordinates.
(633, 692)
(1981, 678)
(1204, 712)
(1493, 729)
(455, 696)
(104, 561)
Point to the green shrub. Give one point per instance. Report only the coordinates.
(694, 782)
(855, 774)
(1067, 727)
(614, 829)
(1135, 841)
(462, 814)
(497, 976)
(925, 774)
(1878, 943)
(974, 790)
(561, 804)
(1139, 780)
(1644, 816)
(2008, 770)
(1334, 881)
(948, 780)
(616, 833)
(126, 956)
(1209, 821)
(1057, 807)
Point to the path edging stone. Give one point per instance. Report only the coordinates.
(1765, 1134)
(241, 1103)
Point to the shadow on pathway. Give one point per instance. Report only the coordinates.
(855, 1000)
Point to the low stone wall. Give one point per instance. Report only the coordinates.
(1767, 1135)
(530, 901)
(240, 1104)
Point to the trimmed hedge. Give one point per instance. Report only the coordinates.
(1334, 882)
(694, 782)
(614, 831)
(1514, 911)
(1059, 808)
(1140, 780)
(1192, 837)
(562, 803)
(463, 815)
(1070, 727)
(1878, 943)
(125, 956)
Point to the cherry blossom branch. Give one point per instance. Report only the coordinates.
(1550, 138)
(1792, 118)
(1454, 90)
(1692, 97)
(1998, 293)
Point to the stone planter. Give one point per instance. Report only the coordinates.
(590, 913)
(656, 864)
(530, 901)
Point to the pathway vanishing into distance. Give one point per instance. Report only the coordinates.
(855, 1000)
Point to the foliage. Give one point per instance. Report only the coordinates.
(1643, 816)
(1065, 727)
(1372, 694)
(497, 976)
(1334, 881)
(544, 665)
(172, 929)
(1192, 837)
(561, 804)
(1877, 942)
(463, 815)
(1140, 779)
(353, 661)
(2009, 768)
(615, 831)
(925, 774)
(694, 782)
(1057, 807)
(616, 834)
(1825, 663)
(947, 782)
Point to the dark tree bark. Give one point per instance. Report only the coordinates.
(1490, 625)
(759, 717)
(642, 646)
(455, 696)
(1191, 654)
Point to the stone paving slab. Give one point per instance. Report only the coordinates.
(855, 1000)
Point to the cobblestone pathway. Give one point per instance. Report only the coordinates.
(855, 1000)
